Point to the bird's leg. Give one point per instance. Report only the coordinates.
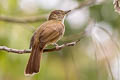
(56, 45)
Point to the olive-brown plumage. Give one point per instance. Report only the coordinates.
(49, 32)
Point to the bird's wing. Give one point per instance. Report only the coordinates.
(50, 31)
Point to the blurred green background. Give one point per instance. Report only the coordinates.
(70, 63)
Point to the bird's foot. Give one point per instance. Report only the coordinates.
(56, 45)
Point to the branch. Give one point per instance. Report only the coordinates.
(22, 20)
(4, 48)
(85, 4)
(39, 18)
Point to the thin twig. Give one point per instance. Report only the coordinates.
(103, 49)
(22, 20)
(95, 53)
(39, 18)
(4, 48)
(85, 4)
(117, 46)
(107, 61)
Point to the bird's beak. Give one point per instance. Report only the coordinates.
(66, 12)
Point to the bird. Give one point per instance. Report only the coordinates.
(48, 33)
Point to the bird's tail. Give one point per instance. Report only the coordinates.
(34, 60)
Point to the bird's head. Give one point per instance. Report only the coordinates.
(58, 15)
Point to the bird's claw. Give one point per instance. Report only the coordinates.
(56, 45)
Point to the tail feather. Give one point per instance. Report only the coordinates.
(34, 60)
